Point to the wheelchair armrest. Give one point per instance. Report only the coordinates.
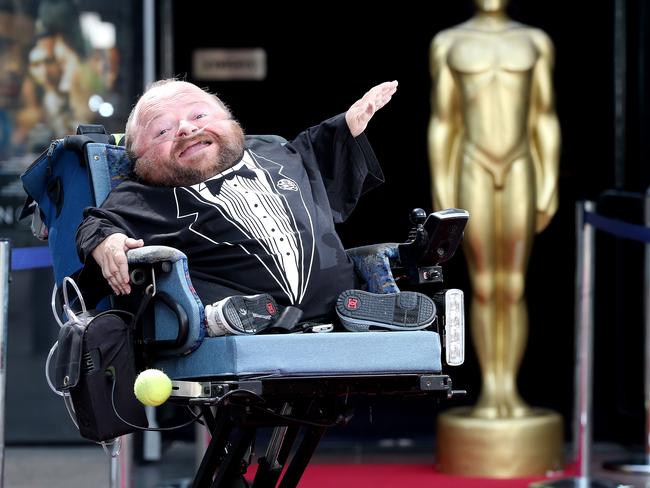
(177, 304)
(154, 254)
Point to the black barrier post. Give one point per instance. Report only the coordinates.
(584, 319)
(641, 464)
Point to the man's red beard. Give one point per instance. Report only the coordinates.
(157, 172)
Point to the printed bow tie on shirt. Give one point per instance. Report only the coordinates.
(214, 185)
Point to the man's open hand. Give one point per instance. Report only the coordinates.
(110, 254)
(360, 113)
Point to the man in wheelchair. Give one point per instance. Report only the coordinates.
(254, 217)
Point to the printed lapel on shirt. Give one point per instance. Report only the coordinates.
(268, 218)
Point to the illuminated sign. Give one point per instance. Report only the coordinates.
(229, 64)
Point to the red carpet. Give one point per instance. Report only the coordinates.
(398, 475)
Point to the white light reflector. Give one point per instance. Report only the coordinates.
(454, 327)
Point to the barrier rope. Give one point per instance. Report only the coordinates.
(30, 258)
(618, 228)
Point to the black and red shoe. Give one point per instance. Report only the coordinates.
(362, 311)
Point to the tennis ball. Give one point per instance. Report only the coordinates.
(152, 387)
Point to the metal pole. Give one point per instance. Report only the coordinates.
(646, 303)
(584, 337)
(584, 320)
(641, 464)
(121, 472)
(166, 38)
(121, 465)
(149, 41)
(152, 440)
(5, 266)
(646, 311)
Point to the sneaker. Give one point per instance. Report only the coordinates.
(361, 311)
(241, 315)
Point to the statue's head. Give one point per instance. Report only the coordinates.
(491, 5)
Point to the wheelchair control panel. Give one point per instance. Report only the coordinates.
(432, 241)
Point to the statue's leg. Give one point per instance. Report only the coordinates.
(476, 195)
(516, 209)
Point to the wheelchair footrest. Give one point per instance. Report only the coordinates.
(212, 392)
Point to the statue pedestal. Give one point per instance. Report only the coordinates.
(500, 448)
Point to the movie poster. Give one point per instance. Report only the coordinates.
(62, 63)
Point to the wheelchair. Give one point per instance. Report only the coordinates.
(299, 384)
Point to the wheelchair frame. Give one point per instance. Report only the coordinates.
(291, 403)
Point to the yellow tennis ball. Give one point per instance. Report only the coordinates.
(152, 387)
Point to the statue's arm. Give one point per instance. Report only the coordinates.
(444, 127)
(545, 132)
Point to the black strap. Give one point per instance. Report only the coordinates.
(96, 132)
(55, 193)
(87, 133)
(148, 294)
(287, 322)
(28, 208)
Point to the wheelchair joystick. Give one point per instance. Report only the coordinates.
(434, 240)
(416, 246)
(418, 216)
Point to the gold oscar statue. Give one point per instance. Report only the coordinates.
(494, 142)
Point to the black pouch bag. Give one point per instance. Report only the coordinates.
(100, 377)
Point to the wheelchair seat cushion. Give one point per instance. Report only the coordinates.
(311, 354)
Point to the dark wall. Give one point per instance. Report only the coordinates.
(322, 59)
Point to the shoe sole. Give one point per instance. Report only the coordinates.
(361, 311)
(248, 314)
